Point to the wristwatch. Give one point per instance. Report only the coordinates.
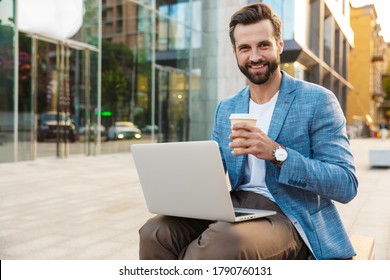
(279, 155)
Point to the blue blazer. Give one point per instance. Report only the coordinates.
(319, 169)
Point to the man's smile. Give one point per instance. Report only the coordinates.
(257, 67)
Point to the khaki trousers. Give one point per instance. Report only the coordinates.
(273, 237)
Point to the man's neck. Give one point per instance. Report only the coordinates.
(263, 93)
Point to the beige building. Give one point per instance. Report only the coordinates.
(367, 63)
(386, 77)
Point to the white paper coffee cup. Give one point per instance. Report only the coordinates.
(249, 119)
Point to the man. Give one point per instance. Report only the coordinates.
(296, 162)
(383, 129)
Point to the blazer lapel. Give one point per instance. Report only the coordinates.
(282, 106)
(242, 103)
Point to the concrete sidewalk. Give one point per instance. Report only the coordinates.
(92, 207)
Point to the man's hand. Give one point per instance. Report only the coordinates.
(251, 140)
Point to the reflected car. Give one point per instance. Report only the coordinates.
(150, 128)
(48, 126)
(124, 130)
(100, 129)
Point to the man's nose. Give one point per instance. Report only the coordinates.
(255, 55)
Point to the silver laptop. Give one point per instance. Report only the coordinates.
(187, 179)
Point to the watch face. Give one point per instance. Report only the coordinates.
(280, 154)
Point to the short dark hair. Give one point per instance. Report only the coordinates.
(254, 13)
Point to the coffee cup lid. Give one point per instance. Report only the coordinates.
(243, 116)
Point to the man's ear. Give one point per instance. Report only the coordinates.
(280, 46)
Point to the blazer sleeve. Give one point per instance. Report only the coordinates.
(329, 169)
(215, 134)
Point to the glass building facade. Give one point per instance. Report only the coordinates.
(132, 73)
(49, 85)
(318, 38)
(162, 51)
(145, 71)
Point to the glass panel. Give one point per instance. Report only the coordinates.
(203, 68)
(172, 88)
(285, 10)
(66, 100)
(83, 82)
(89, 32)
(25, 120)
(176, 15)
(126, 75)
(173, 56)
(7, 30)
(55, 107)
(328, 39)
(91, 74)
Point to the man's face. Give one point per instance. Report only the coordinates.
(257, 52)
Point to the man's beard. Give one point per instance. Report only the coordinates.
(260, 78)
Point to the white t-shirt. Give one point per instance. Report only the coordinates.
(255, 168)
